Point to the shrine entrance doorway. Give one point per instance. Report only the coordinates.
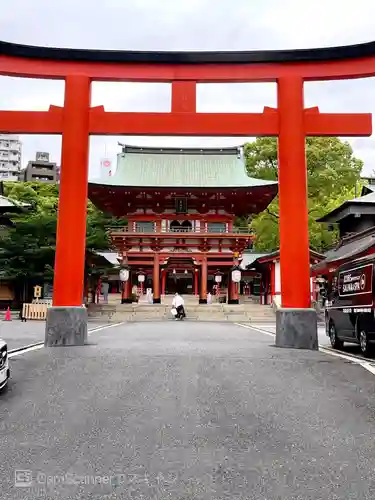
(181, 283)
(180, 277)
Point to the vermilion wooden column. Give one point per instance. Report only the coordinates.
(196, 286)
(272, 268)
(71, 224)
(203, 295)
(293, 219)
(234, 291)
(156, 279)
(163, 280)
(126, 291)
(130, 285)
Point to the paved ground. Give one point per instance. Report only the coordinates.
(18, 334)
(322, 339)
(186, 411)
(271, 327)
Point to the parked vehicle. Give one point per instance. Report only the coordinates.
(349, 313)
(4, 364)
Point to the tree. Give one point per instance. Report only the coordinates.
(332, 172)
(29, 245)
(98, 222)
(27, 250)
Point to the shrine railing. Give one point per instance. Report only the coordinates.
(141, 230)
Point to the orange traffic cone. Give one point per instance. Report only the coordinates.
(7, 315)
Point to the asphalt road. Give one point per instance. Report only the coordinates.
(186, 411)
(271, 327)
(349, 349)
(18, 334)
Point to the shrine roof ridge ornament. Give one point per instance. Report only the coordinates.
(234, 150)
(321, 54)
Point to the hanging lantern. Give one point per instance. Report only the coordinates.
(124, 274)
(186, 271)
(174, 271)
(141, 278)
(236, 276)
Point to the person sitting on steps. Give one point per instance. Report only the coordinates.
(178, 303)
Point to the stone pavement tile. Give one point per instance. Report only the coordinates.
(186, 411)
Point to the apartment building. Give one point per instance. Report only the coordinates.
(40, 170)
(10, 157)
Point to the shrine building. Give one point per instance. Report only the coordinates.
(355, 222)
(268, 268)
(181, 207)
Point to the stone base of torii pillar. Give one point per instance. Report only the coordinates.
(297, 328)
(66, 326)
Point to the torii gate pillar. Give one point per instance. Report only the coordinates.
(67, 319)
(296, 321)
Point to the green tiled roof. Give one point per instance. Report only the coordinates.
(181, 168)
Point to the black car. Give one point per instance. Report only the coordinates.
(349, 311)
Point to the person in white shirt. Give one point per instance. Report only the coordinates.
(149, 295)
(178, 304)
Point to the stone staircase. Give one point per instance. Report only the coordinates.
(249, 312)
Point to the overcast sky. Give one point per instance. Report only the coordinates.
(185, 25)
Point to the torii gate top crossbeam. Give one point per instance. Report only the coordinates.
(352, 61)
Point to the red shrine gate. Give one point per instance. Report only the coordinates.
(291, 122)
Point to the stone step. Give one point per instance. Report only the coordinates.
(147, 305)
(249, 313)
(188, 313)
(204, 318)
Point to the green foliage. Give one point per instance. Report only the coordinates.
(332, 173)
(97, 224)
(27, 250)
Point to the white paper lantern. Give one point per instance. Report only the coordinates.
(236, 276)
(124, 274)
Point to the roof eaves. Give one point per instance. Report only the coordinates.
(332, 216)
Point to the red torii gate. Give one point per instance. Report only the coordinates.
(291, 122)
